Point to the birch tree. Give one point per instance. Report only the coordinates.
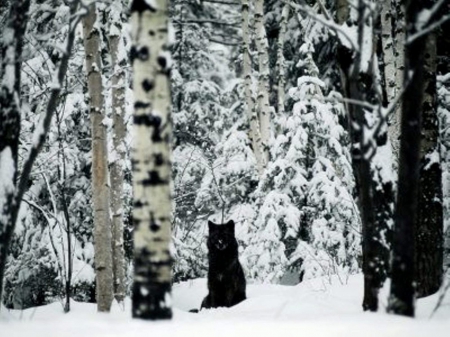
(281, 64)
(250, 104)
(263, 106)
(100, 184)
(151, 160)
(393, 65)
(118, 82)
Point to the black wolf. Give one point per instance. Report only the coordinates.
(226, 280)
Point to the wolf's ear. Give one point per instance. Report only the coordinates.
(230, 224)
(211, 225)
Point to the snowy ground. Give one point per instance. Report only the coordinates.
(312, 309)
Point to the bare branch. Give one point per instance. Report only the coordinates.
(428, 29)
(331, 24)
(226, 43)
(41, 132)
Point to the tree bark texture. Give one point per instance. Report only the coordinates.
(429, 233)
(401, 299)
(250, 104)
(263, 106)
(118, 81)
(100, 184)
(281, 64)
(151, 160)
(393, 86)
(11, 50)
(375, 195)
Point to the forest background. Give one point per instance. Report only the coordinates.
(267, 98)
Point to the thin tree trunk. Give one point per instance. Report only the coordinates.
(280, 59)
(119, 132)
(401, 300)
(100, 184)
(375, 194)
(151, 160)
(250, 104)
(263, 106)
(429, 233)
(393, 87)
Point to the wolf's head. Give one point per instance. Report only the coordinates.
(221, 236)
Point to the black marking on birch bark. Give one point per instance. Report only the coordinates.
(147, 119)
(139, 204)
(141, 6)
(162, 62)
(154, 227)
(153, 179)
(148, 84)
(141, 105)
(151, 32)
(159, 159)
(141, 53)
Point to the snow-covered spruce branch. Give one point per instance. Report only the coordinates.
(46, 117)
(331, 24)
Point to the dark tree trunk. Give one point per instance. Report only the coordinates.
(429, 233)
(401, 299)
(375, 196)
(11, 50)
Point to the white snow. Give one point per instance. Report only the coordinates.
(320, 307)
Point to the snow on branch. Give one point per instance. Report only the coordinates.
(325, 20)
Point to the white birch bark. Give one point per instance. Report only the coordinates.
(399, 50)
(263, 107)
(281, 64)
(100, 186)
(118, 81)
(250, 104)
(151, 160)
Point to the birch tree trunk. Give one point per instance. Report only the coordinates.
(401, 300)
(393, 24)
(280, 59)
(151, 160)
(11, 50)
(100, 184)
(429, 232)
(263, 107)
(393, 86)
(118, 81)
(250, 104)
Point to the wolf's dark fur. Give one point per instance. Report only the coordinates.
(226, 280)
